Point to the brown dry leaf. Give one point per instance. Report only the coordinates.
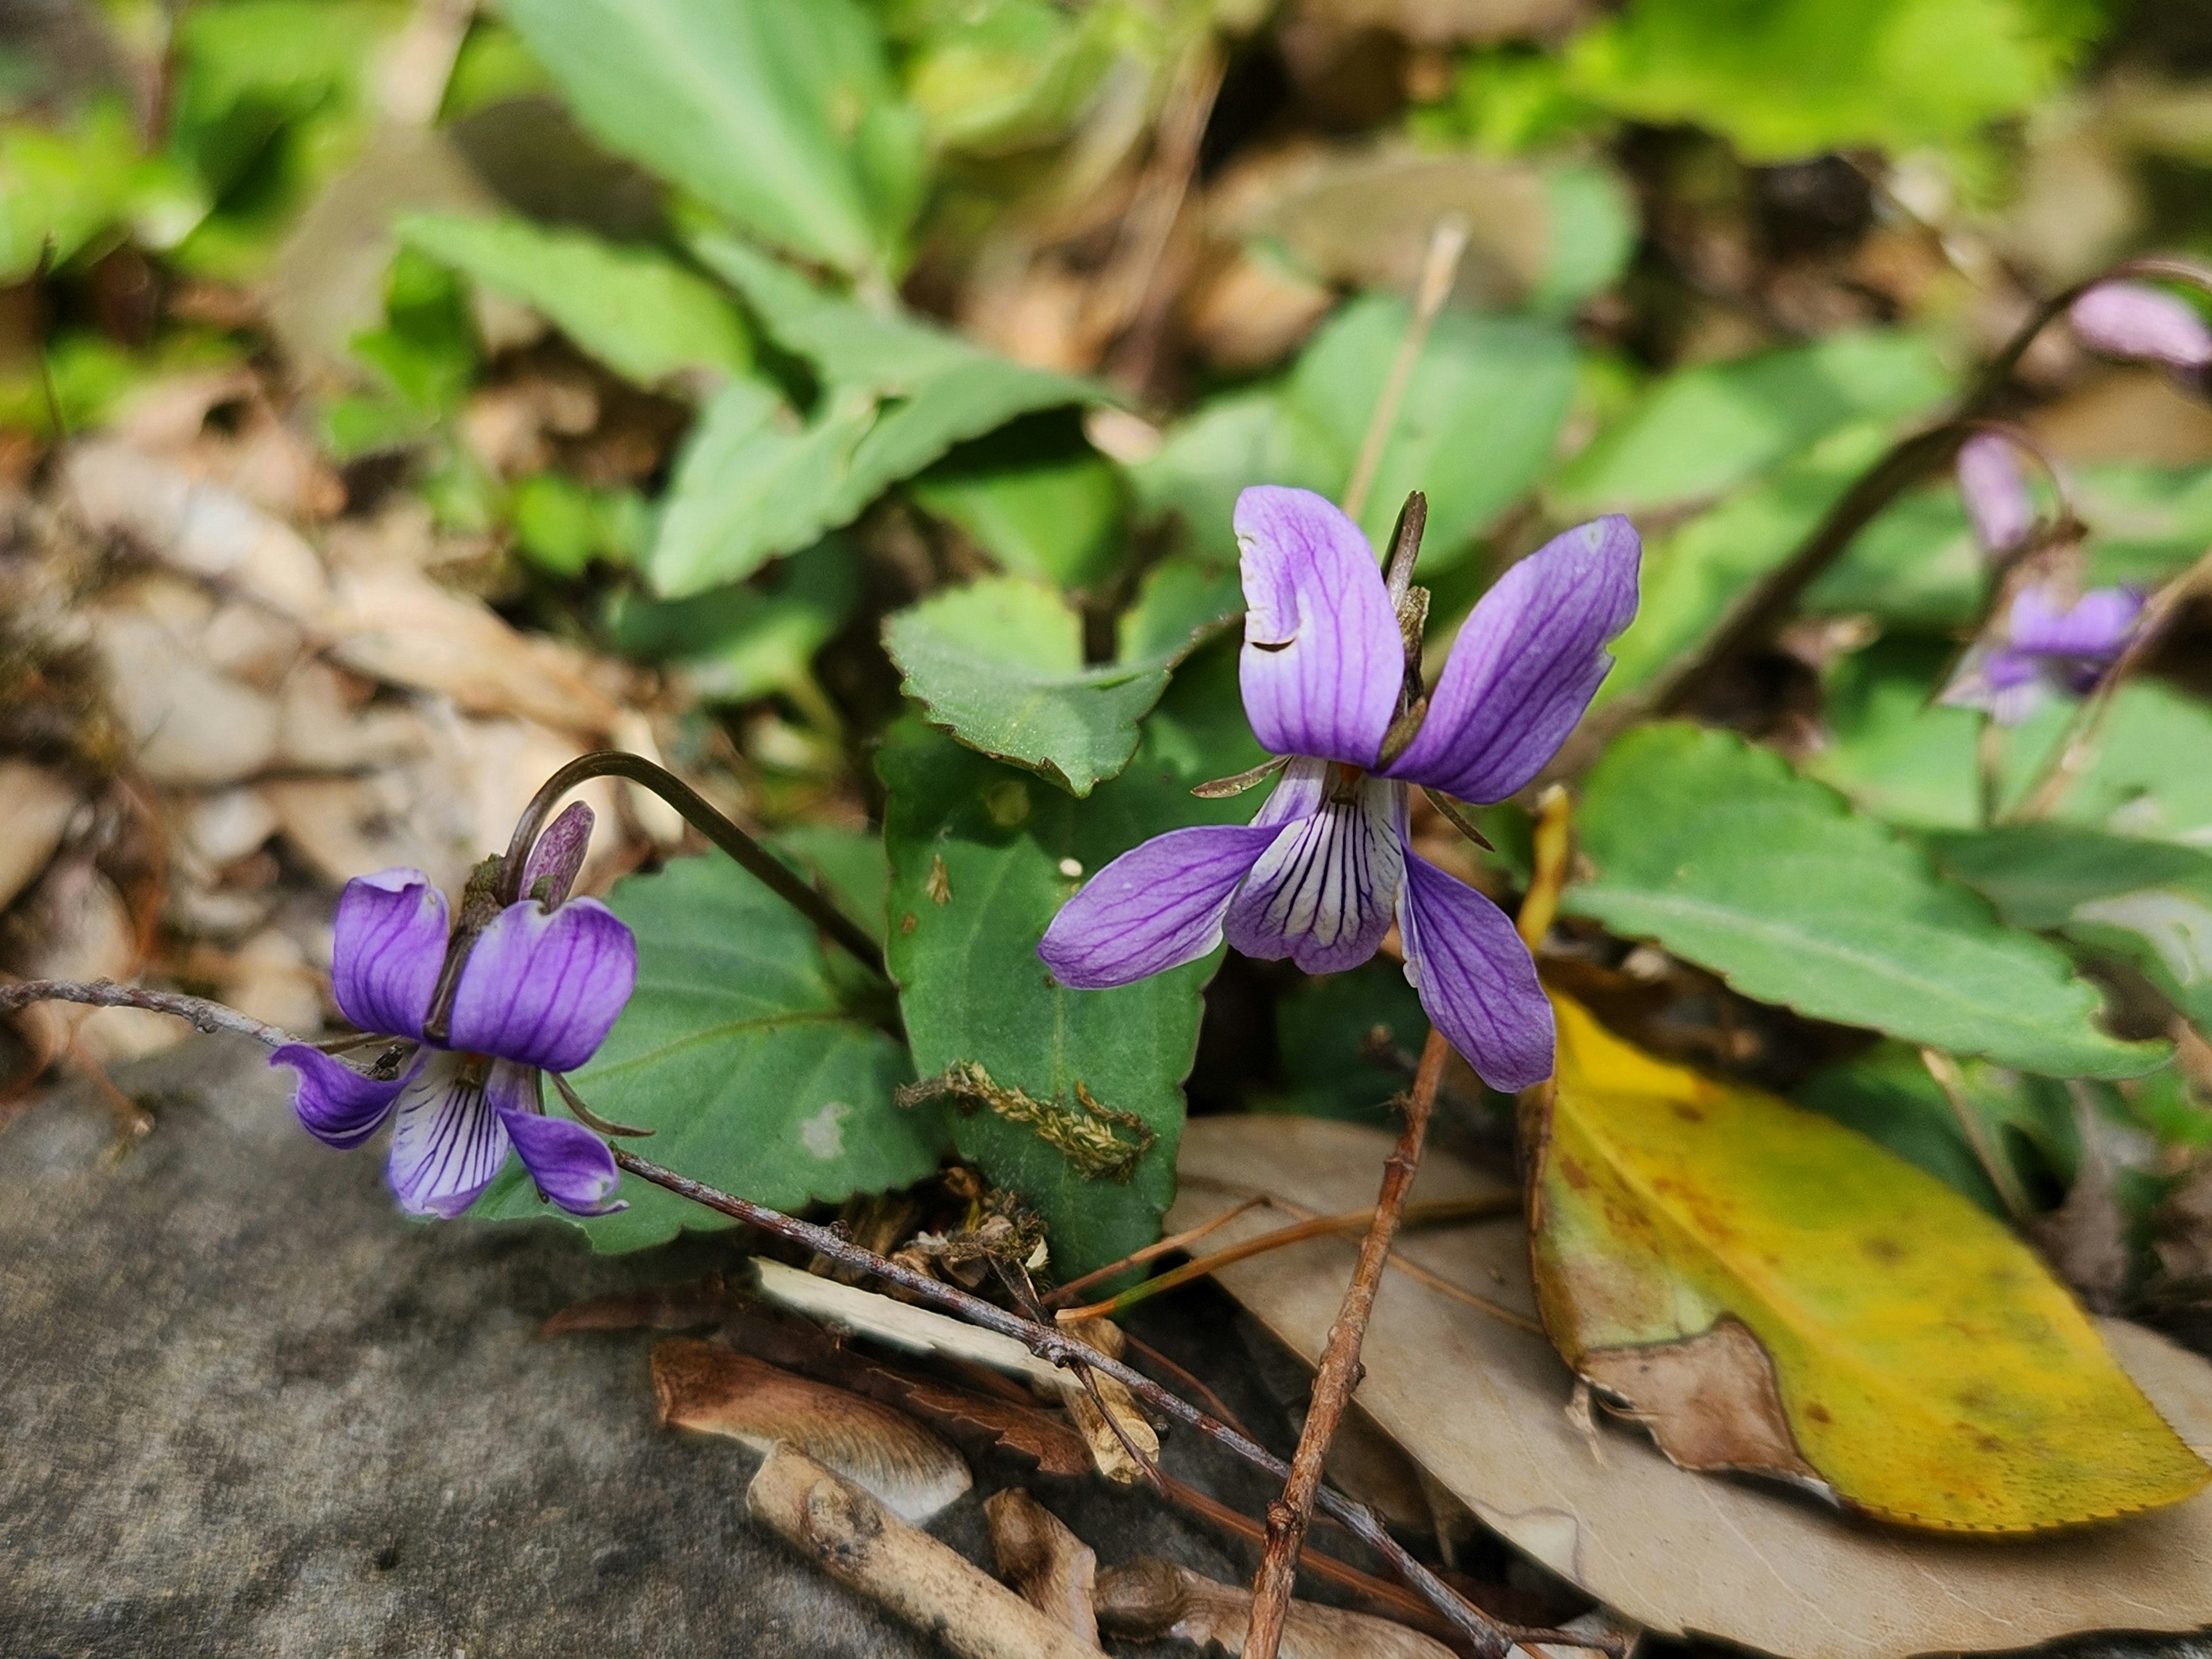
(35, 809)
(1246, 310)
(1478, 1403)
(189, 723)
(1364, 217)
(1056, 1572)
(202, 529)
(1152, 1598)
(395, 625)
(2185, 1241)
(717, 1390)
(1123, 1443)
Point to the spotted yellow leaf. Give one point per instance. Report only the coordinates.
(1769, 1290)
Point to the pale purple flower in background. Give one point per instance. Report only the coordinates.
(537, 989)
(2134, 320)
(1996, 495)
(2050, 646)
(1319, 875)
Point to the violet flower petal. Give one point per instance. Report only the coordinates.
(557, 855)
(2006, 684)
(1994, 493)
(1323, 892)
(571, 1165)
(1156, 907)
(1324, 660)
(2096, 626)
(389, 944)
(1475, 978)
(2135, 320)
(448, 1142)
(544, 987)
(337, 1104)
(1526, 664)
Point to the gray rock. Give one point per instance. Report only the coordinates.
(251, 1409)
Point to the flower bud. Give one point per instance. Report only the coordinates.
(2133, 320)
(1996, 495)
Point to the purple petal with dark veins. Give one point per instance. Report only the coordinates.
(1156, 907)
(2096, 626)
(1475, 978)
(449, 1142)
(544, 987)
(1994, 492)
(337, 1104)
(558, 854)
(2134, 320)
(571, 1165)
(1526, 664)
(389, 944)
(1324, 660)
(1323, 892)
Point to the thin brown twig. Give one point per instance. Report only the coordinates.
(1467, 1209)
(209, 1017)
(1190, 1380)
(1484, 1636)
(1060, 1296)
(1339, 1373)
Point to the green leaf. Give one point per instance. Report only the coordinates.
(1035, 497)
(1788, 78)
(2147, 901)
(999, 664)
(634, 308)
(1694, 573)
(780, 114)
(1888, 1096)
(734, 644)
(751, 481)
(849, 865)
(1481, 413)
(1706, 429)
(979, 855)
(1719, 851)
(743, 1050)
(754, 481)
(1003, 74)
(1181, 602)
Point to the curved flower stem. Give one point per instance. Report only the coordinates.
(1447, 245)
(756, 860)
(210, 1017)
(1911, 459)
(1481, 1634)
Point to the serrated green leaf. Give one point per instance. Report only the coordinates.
(1706, 429)
(743, 1050)
(1035, 497)
(977, 852)
(1788, 78)
(634, 308)
(1481, 415)
(734, 644)
(1722, 853)
(1181, 603)
(781, 113)
(2147, 901)
(999, 664)
(1695, 572)
(755, 482)
(752, 482)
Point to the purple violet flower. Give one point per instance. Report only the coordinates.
(1321, 871)
(2049, 646)
(2135, 320)
(539, 985)
(1996, 495)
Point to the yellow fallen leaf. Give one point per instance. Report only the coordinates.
(1766, 1290)
(1482, 1405)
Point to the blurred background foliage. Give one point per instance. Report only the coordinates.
(702, 336)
